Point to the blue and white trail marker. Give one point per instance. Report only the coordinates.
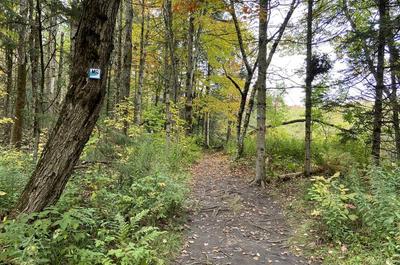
(94, 73)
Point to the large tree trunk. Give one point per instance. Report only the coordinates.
(378, 105)
(142, 61)
(127, 61)
(20, 101)
(80, 109)
(261, 93)
(308, 88)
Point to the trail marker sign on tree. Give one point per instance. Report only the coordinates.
(94, 73)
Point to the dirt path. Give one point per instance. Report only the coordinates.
(232, 223)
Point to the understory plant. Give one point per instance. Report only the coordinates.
(361, 211)
(122, 206)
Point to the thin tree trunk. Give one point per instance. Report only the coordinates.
(189, 77)
(118, 55)
(127, 61)
(243, 92)
(394, 77)
(249, 110)
(142, 60)
(171, 82)
(108, 104)
(9, 88)
(40, 94)
(261, 93)
(206, 121)
(378, 105)
(60, 81)
(167, 101)
(239, 120)
(34, 58)
(242, 126)
(170, 39)
(80, 109)
(74, 23)
(20, 101)
(308, 88)
(51, 73)
(228, 132)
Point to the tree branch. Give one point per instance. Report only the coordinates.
(349, 131)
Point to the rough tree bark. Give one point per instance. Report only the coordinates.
(73, 23)
(127, 61)
(261, 93)
(80, 109)
(308, 90)
(16, 136)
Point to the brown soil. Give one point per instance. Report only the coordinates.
(232, 223)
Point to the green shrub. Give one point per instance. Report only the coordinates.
(60, 236)
(362, 210)
(119, 212)
(15, 168)
(163, 196)
(333, 206)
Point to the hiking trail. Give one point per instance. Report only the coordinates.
(232, 223)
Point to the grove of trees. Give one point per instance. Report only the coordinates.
(212, 71)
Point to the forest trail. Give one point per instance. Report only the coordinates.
(232, 223)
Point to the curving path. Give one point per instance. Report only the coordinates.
(232, 223)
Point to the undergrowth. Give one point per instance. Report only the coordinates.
(122, 206)
(350, 214)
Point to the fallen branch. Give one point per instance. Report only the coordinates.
(86, 164)
(289, 176)
(348, 131)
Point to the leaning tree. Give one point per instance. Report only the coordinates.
(80, 110)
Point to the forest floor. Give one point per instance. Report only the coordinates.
(231, 222)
